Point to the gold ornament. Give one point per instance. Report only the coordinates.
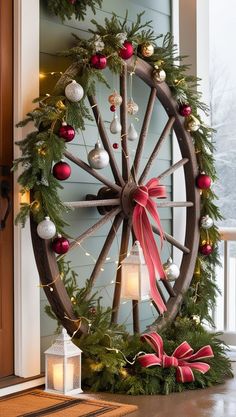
(197, 269)
(123, 373)
(115, 99)
(42, 151)
(158, 74)
(147, 49)
(192, 124)
(60, 105)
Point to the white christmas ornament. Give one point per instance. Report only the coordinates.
(74, 91)
(171, 270)
(46, 229)
(98, 43)
(115, 126)
(98, 158)
(121, 37)
(206, 222)
(132, 133)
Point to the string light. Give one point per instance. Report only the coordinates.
(43, 75)
(49, 285)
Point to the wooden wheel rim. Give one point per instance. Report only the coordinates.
(45, 257)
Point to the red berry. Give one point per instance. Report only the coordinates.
(127, 50)
(115, 145)
(185, 110)
(113, 108)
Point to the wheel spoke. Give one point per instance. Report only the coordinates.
(95, 227)
(123, 252)
(105, 140)
(92, 171)
(123, 119)
(156, 149)
(144, 132)
(172, 240)
(161, 204)
(169, 288)
(173, 168)
(106, 247)
(93, 203)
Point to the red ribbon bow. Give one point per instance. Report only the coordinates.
(144, 234)
(182, 358)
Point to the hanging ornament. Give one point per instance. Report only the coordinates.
(66, 132)
(192, 124)
(60, 245)
(171, 270)
(132, 133)
(98, 157)
(115, 145)
(98, 43)
(115, 99)
(146, 49)
(205, 248)
(98, 61)
(206, 222)
(46, 229)
(61, 170)
(185, 110)
(115, 126)
(127, 50)
(158, 74)
(203, 181)
(132, 107)
(113, 108)
(74, 91)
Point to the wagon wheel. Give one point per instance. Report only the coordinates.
(115, 200)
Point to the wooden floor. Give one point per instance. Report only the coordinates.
(218, 401)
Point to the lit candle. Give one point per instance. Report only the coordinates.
(58, 381)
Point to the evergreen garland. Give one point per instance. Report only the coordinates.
(65, 9)
(105, 368)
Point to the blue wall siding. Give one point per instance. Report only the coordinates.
(55, 37)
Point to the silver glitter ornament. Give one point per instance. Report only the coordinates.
(98, 157)
(46, 229)
(206, 222)
(159, 75)
(171, 270)
(74, 91)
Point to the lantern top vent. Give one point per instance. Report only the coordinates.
(135, 256)
(63, 346)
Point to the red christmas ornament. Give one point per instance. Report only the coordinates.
(127, 50)
(115, 145)
(206, 249)
(203, 181)
(113, 108)
(61, 170)
(72, 1)
(185, 110)
(60, 245)
(66, 132)
(98, 61)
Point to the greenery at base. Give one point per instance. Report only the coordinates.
(107, 369)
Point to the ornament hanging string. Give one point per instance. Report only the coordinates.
(144, 234)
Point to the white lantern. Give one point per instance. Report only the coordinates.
(63, 366)
(135, 284)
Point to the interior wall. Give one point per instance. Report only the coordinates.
(54, 37)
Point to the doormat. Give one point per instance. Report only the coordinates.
(39, 403)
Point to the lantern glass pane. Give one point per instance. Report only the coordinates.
(55, 372)
(73, 364)
(145, 283)
(130, 281)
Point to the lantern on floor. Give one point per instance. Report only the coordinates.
(63, 366)
(135, 284)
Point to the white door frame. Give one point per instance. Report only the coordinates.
(26, 288)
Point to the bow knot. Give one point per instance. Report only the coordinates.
(183, 358)
(144, 234)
